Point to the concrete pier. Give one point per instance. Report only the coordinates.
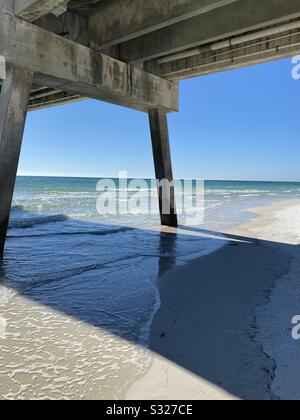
(14, 99)
(163, 167)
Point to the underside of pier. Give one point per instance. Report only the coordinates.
(131, 53)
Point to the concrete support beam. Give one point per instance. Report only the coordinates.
(236, 18)
(122, 20)
(228, 59)
(70, 67)
(70, 25)
(32, 10)
(8, 6)
(14, 99)
(163, 166)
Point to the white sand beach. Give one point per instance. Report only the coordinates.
(223, 329)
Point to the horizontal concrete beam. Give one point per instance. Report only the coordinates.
(249, 55)
(70, 25)
(32, 10)
(70, 67)
(122, 20)
(236, 18)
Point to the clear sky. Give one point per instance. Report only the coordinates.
(242, 124)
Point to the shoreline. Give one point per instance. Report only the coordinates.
(222, 331)
(76, 335)
(209, 367)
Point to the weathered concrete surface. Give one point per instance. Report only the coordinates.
(233, 19)
(13, 109)
(69, 25)
(7, 6)
(32, 10)
(74, 68)
(250, 55)
(121, 20)
(163, 166)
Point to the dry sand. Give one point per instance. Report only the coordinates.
(224, 327)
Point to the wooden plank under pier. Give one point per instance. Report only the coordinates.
(77, 49)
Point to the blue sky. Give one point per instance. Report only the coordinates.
(242, 125)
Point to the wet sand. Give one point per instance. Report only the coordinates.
(223, 330)
(76, 309)
(224, 327)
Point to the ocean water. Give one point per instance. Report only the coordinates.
(92, 282)
(76, 198)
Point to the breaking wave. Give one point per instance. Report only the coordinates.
(29, 222)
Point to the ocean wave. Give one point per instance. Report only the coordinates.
(103, 232)
(236, 191)
(18, 208)
(6, 295)
(30, 222)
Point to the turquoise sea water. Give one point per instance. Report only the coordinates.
(225, 201)
(103, 270)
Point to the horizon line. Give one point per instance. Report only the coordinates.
(151, 178)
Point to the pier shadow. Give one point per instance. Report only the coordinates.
(206, 323)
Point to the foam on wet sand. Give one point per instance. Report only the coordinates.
(222, 330)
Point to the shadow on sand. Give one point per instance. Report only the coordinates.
(206, 323)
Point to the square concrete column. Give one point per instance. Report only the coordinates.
(8, 6)
(14, 100)
(163, 166)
